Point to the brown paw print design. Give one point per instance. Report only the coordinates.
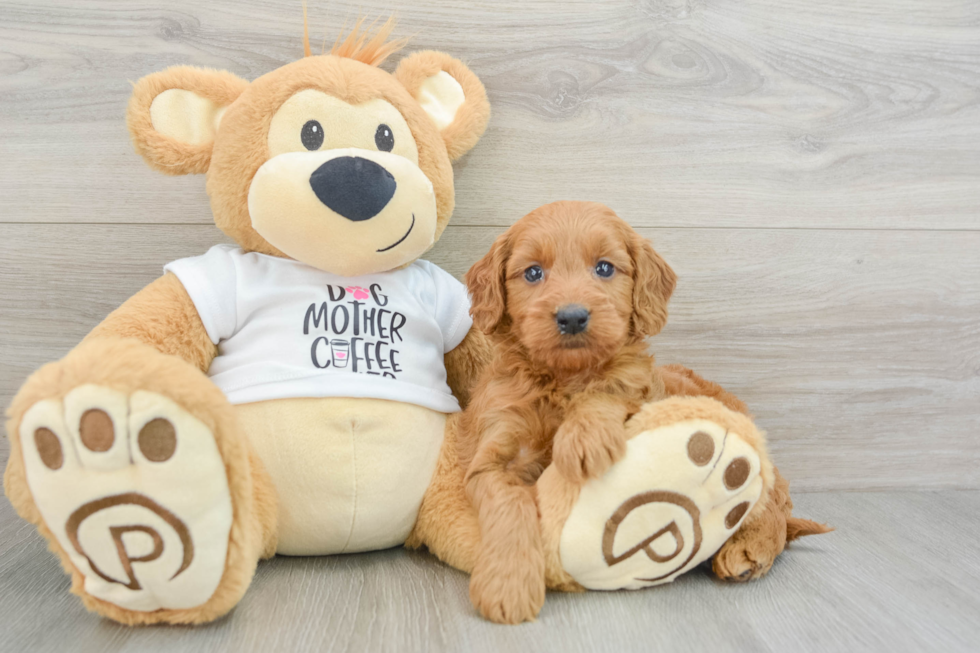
(671, 503)
(135, 491)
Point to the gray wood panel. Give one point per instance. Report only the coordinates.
(899, 574)
(849, 113)
(810, 169)
(857, 350)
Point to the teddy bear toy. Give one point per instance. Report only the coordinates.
(298, 392)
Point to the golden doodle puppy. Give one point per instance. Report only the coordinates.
(569, 294)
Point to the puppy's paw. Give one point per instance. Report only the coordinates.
(750, 552)
(507, 594)
(582, 451)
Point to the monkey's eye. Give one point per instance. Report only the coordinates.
(383, 138)
(534, 274)
(605, 269)
(312, 135)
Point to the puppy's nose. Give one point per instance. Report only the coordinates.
(355, 187)
(572, 319)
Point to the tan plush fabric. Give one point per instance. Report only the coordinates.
(441, 96)
(111, 458)
(557, 496)
(749, 554)
(241, 149)
(350, 473)
(287, 214)
(161, 150)
(185, 116)
(161, 315)
(127, 366)
(241, 146)
(678, 494)
(190, 120)
(470, 118)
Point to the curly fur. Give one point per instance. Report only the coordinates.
(544, 417)
(553, 398)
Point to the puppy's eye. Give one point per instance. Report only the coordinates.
(534, 274)
(383, 138)
(605, 269)
(312, 135)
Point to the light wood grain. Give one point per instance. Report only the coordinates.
(849, 113)
(897, 575)
(810, 169)
(856, 350)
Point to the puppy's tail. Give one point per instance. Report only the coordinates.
(797, 528)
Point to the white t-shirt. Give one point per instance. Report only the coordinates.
(285, 329)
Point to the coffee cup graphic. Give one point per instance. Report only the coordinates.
(339, 352)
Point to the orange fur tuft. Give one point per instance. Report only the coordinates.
(306, 33)
(367, 47)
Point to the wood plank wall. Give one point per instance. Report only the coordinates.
(811, 170)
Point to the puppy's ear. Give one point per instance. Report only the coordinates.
(173, 116)
(653, 284)
(487, 285)
(451, 94)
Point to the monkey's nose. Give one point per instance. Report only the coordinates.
(355, 187)
(572, 319)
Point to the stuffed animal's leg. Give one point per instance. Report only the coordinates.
(679, 381)
(751, 552)
(693, 473)
(130, 463)
(447, 523)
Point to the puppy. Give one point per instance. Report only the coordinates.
(568, 295)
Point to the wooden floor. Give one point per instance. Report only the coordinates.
(810, 169)
(900, 574)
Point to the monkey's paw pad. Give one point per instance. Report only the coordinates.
(134, 489)
(677, 495)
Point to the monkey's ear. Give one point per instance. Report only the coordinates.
(486, 283)
(451, 94)
(173, 116)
